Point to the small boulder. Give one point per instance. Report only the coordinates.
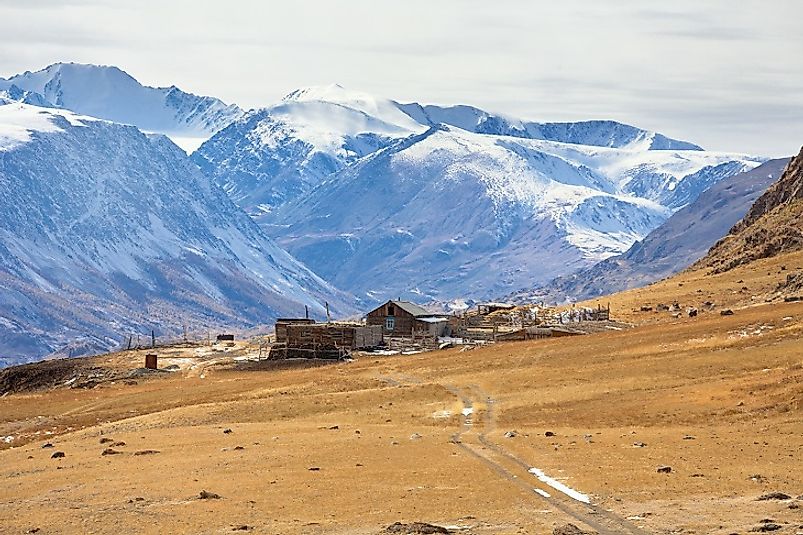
(570, 529)
(146, 452)
(227, 431)
(57, 455)
(47, 445)
(206, 495)
(549, 434)
(110, 451)
(773, 496)
(766, 528)
(415, 528)
(726, 312)
(106, 440)
(664, 469)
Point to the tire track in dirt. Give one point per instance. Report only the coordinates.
(472, 438)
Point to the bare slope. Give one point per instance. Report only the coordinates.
(772, 226)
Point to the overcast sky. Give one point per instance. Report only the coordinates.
(726, 74)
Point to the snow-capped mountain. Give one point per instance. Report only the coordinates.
(593, 133)
(388, 199)
(112, 94)
(107, 232)
(277, 154)
(451, 213)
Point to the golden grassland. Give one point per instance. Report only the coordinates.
(350, 448)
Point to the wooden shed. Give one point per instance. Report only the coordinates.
(282, 323)
(333, 336)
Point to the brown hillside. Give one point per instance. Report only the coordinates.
(773, 225)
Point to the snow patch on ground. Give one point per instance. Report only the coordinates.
(557, 485)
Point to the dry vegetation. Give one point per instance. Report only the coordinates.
(351, 448)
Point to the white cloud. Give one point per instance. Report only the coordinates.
(728, 76)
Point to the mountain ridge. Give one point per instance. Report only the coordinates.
(108, 92)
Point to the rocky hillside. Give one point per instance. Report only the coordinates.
(773, 225)
(679, 242)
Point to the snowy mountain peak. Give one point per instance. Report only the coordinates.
(108, 92)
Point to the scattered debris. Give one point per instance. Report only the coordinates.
(57, 455)
(415, 528)
(664, 469)
(773, 496)
(205, 495)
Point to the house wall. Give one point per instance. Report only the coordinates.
(403, 320)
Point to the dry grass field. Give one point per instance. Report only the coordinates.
(448, 437)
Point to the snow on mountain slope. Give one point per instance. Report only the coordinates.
(106, 231)
(112, 94)
(279, 153)
(679, 242)
(451, 213)
(335, 174)
(594, 133)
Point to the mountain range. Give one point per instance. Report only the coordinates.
(435, 203)
(377, 198)
(106, 232)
